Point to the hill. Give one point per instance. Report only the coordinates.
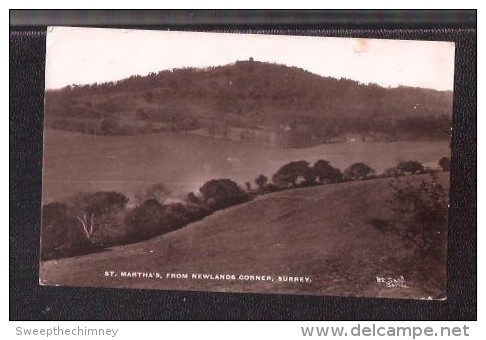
(252, 101)
(321, 234)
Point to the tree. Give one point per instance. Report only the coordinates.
(288, 174)
(310, 176)
(178, 215)
(60, 235)
(248, 186)
(90, 209)
(193, 199)
(152, 218)
(147, 220)
(327, 173)
(157, 191)
(261, 181)
(445, 164)
(412, 167)
(358, 171)
(222, 193)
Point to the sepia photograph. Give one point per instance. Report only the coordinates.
(246, 163)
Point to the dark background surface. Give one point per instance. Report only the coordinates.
(29, 301)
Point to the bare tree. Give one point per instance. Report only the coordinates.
(87, 221)
(91, 209)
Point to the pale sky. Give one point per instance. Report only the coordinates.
(88, 55)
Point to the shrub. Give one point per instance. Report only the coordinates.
(422, 214)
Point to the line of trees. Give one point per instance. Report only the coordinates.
(301, 174)
(91, 222)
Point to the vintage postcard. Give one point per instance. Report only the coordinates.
(246, 163)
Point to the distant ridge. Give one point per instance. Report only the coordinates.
(259, 95)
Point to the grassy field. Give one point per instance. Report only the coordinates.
(76, 162)
(321, 234)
